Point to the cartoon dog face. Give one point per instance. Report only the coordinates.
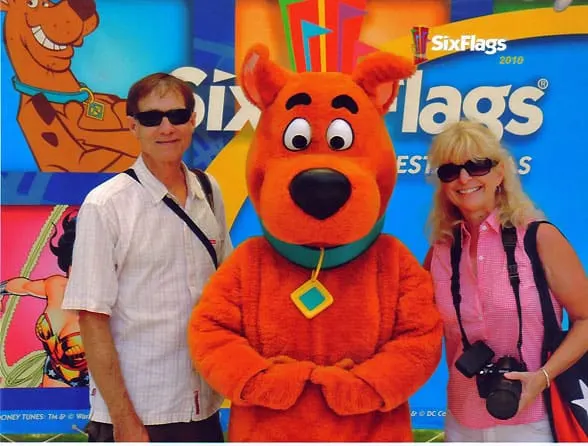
(321, 167)
(49, 30)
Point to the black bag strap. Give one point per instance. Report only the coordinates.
(206, 185)
(180, 212)
(509, 242)
(552, 331)
(552, 328)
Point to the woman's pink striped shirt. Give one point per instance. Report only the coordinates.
(489, 313)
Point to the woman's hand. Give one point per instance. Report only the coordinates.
(533, 384)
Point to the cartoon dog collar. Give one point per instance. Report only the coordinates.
(94, 109)
(333, 257)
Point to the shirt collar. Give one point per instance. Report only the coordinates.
(492, 221)
(157, 189)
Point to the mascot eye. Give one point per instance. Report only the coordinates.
(339, 135)
(297, 135)
(32, 3)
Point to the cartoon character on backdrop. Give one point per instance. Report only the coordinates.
(68, 127)
(324, 327)
(57, 329)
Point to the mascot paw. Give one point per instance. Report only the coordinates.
(281, 359)
(345, 393)
(345, 364)
(280, 386)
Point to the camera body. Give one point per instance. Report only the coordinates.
(502, 395)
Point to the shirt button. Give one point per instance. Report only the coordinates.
(480, 258)
(484, 227)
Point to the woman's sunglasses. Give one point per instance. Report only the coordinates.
(475, 168)
(153, 118)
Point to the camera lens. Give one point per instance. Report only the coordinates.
(503, 403)
(504, 395)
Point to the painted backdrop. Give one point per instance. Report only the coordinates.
(517, 65)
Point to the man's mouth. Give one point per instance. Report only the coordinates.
(168, 142)
(40, 37)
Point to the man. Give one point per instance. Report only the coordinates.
(138, 270)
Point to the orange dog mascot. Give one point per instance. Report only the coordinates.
(322, 329)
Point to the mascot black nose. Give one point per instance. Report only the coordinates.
(320, 192)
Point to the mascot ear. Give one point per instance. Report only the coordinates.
(378, 74)
(261, 79)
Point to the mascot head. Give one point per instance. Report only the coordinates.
(321, 167)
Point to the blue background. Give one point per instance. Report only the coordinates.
(116, 55)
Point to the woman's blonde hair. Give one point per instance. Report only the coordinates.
(470, 140)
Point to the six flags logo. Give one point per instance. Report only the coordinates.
(420, 39)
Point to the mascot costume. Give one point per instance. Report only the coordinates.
(321, 329)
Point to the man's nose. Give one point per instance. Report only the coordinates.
(165, 125)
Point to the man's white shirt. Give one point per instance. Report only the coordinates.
(135, 260)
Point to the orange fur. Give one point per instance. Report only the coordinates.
(347, 373)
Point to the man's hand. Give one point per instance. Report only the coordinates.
(130, 429)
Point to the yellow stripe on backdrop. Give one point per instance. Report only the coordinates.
(229, 165)
(229, 170)
(322, 37)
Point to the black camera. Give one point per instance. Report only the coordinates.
(502, 395)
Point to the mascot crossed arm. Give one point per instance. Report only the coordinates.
(321, 329)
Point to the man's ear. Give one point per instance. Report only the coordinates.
(378, 75)
(132, 124)
(260, 78)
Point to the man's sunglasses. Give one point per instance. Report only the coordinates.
(153, 118)
(475, 168)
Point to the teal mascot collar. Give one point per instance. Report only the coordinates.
(339, 255)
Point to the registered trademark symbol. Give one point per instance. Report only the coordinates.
(542, 83)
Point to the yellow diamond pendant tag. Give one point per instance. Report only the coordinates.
(312, 298)
(94, 109)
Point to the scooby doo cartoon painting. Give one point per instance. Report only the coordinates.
(68, 127)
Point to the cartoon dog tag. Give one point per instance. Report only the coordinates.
(94, 109)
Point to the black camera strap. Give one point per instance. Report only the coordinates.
(509, 242)
(180, 213)
(455, 284)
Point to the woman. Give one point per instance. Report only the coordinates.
(57, 329)
(478, 192)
